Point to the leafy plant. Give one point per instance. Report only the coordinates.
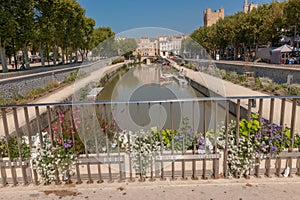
(48, 159)
(143, 148)
(251, 127)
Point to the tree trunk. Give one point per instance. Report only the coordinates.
(76, 54)
(54, 49)
(62, 56)
(86, 55)
(82, 55)
(71, 60)
(41, 55)
(3, 59)
(26, 59)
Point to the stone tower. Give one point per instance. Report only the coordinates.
(211, 18)
(249, 7)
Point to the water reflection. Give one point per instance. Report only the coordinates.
(146, 83)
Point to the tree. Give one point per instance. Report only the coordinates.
(7, 25)
(25, 14)
(126, 46)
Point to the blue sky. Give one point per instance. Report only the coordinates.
(183, 16)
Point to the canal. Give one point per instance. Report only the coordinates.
(155, 83)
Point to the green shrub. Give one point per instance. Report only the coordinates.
(118, 60)
(294, 90)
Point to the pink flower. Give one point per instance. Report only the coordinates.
(106, 126)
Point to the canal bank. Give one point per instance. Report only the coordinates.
(277, 72)
(96, 71)
(213, 87)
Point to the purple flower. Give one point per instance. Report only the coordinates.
(66, 145)
(273, 148)
(201, 147)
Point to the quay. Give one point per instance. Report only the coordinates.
(282, 108)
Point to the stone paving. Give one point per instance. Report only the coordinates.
(221, 189)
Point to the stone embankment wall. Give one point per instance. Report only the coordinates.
(277, 74)
(11, 87)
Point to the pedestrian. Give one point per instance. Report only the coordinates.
(22, 67)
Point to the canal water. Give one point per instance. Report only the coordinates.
(155, 83)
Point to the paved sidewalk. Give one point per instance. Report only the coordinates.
(222, 189)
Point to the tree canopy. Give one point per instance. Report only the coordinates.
(53, 29)
(243, 32)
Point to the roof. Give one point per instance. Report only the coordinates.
(286, 48)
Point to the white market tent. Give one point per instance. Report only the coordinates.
(281, 52)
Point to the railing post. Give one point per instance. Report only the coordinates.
(282, 113)
(225, 169)
(204, 135)
(215, 160)
(293, 121)
(257, 159)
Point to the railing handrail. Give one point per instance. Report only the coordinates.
(147, 102)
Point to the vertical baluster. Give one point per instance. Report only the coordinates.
(28, 127)
(38, 123)
(249, 109)
(151, 145)
(100, 180)
(272, 105)
(282, 113)
(293, 120)
(215, 160)
(225, 169)
(140, 161)
(161, 149)
(172, 142)
(257, 159)
(282, 118)
(5, 125)
(90, 180)
(107, 145)
(204, 135)
(131, 179)
(19, 141)
(271, 118)
(140, 146)
(79, 181)
(50, 123)
(119, 158)
(238, 115)
(183, 177)
(3, 173)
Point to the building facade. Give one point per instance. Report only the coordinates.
(211, 18)
(160, 46)
(147, 46)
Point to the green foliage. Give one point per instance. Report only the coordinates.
(240, 30)
(9, 148)
(248, 128)
(118, 60)
(294, 89)
(166, 137)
